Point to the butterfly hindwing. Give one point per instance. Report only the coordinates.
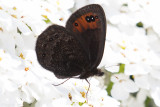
(58, 51)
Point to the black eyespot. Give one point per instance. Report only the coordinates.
(92, 18)
(96, 17)
(88, 19)
(50, 39)
(76, 24)
(43, 55)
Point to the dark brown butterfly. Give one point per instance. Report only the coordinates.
(77, 49)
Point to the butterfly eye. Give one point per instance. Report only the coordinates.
(76, 24)
(92, 18)
(88, 19)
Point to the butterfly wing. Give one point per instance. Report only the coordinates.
(58, 51)
(88, 24)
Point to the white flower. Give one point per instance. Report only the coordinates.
(136, 101)
(122, 86)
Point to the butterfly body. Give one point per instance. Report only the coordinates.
(77, 49)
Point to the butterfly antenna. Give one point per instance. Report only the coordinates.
(62, 82)
(87, 90)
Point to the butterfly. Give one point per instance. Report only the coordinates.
(76, 49)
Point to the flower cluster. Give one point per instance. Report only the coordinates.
(130, 61)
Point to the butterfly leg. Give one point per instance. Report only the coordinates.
(62, 82)
(87, 90)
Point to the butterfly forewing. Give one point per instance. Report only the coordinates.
(58, 51)
(88, 24)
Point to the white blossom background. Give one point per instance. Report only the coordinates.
(132, 40)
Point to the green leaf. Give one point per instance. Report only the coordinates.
(149, 102)
(134, 94)
(19, 31)
(15, 46)
(81, 103)
(47, 21)
(25, 104)
(125, 4)
(121, 68)
(72, 103)
(139, 24)
(29, 27)
(109, 88)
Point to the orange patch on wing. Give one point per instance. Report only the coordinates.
(82, 21)
(79, 27)
(83, 24)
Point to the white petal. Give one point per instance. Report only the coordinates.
(112, 102)
(142, 95)
(6, 21)
(142, 81)
(22, 27)
(118, 92)
(119, 77)
(155, 72)
(134, 69)
(155, 93)
(9, 46)
(132, 102)
(112, 68)
(26, 95)
(67, 4)
(129, 86)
